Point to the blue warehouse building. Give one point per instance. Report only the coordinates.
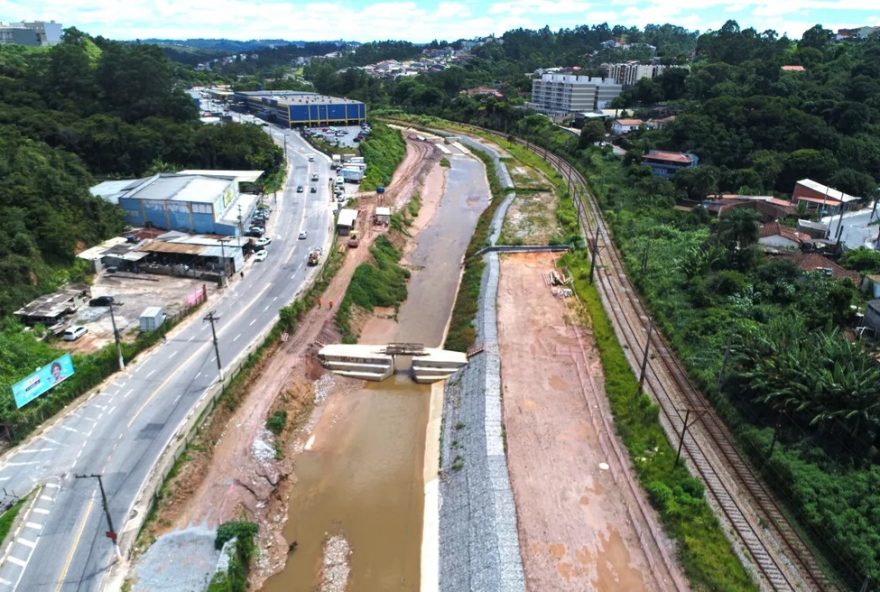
(295, 108)
(195, 202)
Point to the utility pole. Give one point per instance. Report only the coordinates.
(240, 229)
(594, 249)
(645, 357)
(211, 317)
(684, 428)
(223, 265)
(111, 532)
(116, 336)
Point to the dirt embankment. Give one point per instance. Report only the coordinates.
(577, 501)
(237, 469)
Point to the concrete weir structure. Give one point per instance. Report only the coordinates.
(377, 362)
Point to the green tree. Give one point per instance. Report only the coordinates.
(592, 132)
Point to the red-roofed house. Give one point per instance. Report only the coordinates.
(479, 91)
(821, 198)
(624, 126)
(775, 236)
(666, 164)
(814, 262)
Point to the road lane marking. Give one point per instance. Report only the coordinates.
(50, 440)
(47, 498)
(53, 485)
(234, 339)
(151, 372)
(26, 542)
(266, 307)
(5, 582)
(34, 525)
(17, 561)
(5, 478)
(70, 429)
(41, 510)
(22, 464)
(125, 396)
(35, 450)
(251, 324)
(77, 537)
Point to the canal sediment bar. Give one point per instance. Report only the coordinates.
(479, 547)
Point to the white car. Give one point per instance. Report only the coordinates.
(261, 255)
(303, 235)
(74, 332)
(262, 242)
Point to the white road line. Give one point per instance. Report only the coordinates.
(112, 409)
(26, 542)
(16, 561)
(35, 450)
(5, 582)
(199, 374)
(34, 525)
(70, 429)
(151, 372)
(274, 299)
(41, 510)
(47, 498)
(22, 464)
(266, 308)
(50, 440)
(125, 396)
(234, 339)
(190, 338)
(5, 478)
(53, 485)
(251, 324)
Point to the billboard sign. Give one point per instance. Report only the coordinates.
(26, 390)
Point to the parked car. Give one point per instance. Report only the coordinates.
(255, 232)
(313, 190)
(261, 255)
(311, 159)
(299, 188)
(74, 332)
(101, 301)
(262, 242)
(304, 235)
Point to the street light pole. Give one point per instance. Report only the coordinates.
(211, 317)
(116, 337)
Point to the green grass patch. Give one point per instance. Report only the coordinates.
(235, 578)
(383, 150)
(462, 333)
(444, 162)
(276, 422)
(380, 282)
(7, 518)
(703, 551)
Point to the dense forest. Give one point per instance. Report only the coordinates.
(80, 111)
(802, 396)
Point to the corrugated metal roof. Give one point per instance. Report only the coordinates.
(175, 248)
(241, 176)
(831, 192)
(347, 217)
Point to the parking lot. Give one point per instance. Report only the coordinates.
(343, 136)
(132, 294)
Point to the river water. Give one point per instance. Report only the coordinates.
(362, 478)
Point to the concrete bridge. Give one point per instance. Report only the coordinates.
(378, 362)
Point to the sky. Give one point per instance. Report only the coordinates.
(366, 20)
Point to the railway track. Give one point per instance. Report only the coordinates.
(776, 549)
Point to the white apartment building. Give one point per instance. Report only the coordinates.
(568, 93)
(629, 73)
(47, 33)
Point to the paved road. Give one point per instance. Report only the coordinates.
(121, 432)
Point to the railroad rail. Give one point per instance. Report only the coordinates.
(783, 559)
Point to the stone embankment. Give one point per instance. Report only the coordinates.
(479, 548)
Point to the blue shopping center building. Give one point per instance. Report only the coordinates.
(296, 108)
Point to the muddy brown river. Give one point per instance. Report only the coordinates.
(362, 478)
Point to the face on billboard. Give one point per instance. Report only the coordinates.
(31, 387)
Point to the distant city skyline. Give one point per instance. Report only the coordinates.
(365, 20)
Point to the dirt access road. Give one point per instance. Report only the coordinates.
(583, 521)
(237, 475)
